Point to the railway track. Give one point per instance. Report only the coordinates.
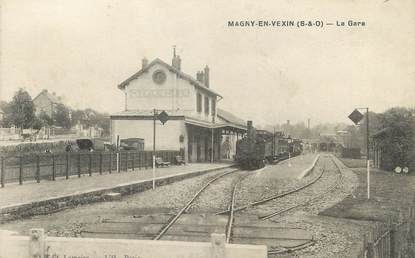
(308, 201)
(274, 251)
(229, 225)
(237, 229)
(189, 203)
(274, 197)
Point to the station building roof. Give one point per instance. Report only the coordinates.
(181, 74)
(225, 118)
(230, 118)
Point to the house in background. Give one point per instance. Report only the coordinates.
(46, 102)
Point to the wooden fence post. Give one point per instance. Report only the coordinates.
(37, 243)
(3, 171)
(145, 160)
(392, 236)
(140, 162)
(79, 164)
(370, 246)
(134, 154)
(90, 164)
(68, 158)
(411, 223)
(38, 168)
(126, 161)
(110, 163)
(364, 248)
(21, 170)
(100, 163)
(53, 168)
(119, 162)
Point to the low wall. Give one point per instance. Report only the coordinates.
(37, 245)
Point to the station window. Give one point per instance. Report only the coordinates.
(206, 105)
(199, 102)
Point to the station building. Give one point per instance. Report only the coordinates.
(196, 126)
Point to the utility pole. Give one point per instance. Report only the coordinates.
(367, 153)
(154, 148)
(356, 117)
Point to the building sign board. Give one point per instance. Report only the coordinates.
(158, 93)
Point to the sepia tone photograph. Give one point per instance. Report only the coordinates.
(207, 129)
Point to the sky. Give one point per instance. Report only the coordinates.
(82, 49)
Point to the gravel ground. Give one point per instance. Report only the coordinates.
(334, 237)
(164, 199)
(259, 185)
(249, 190)
(217, 196)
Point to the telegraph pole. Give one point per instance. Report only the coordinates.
(367, 153)
(356, 117)
(154, 148)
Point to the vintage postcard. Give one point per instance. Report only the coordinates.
(201, 129)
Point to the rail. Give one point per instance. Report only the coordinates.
(188, 204)
(273, 197)
(329, 189)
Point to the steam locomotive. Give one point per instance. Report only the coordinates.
(259, 147)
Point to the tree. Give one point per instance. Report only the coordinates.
(22, 110)
(5, 107)
(61, 116)
(77, 117)
(38, 123)
(398, 137)
(45, 119)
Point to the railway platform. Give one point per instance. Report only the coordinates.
(46, 196)
(296, 167)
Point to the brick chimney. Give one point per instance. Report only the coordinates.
(207, 76)
(176, 62)
(200, 77)
(144, 63)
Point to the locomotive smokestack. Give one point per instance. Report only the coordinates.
(250, 129)
(249, 125)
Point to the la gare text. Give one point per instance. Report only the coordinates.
(293, 23)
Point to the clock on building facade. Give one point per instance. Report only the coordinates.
(159, 77)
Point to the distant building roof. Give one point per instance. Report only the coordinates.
(52, 97)
(181, 74)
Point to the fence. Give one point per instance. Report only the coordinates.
(393, 240)
(50, 166)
